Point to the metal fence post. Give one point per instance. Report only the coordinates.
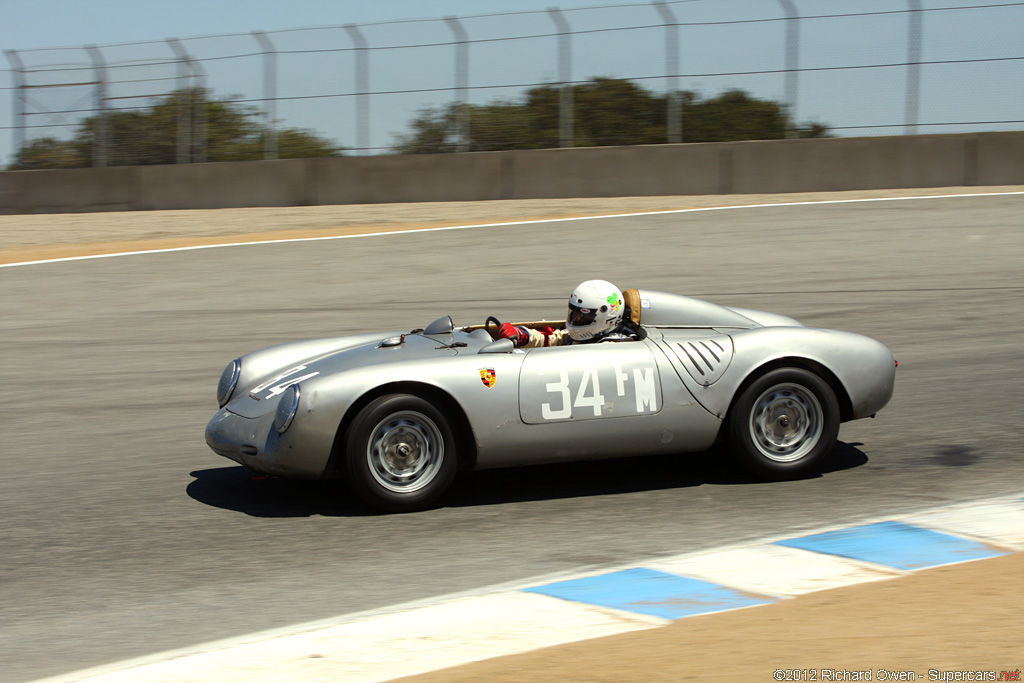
(184, 113)
(18, 76)
(192, 107)
(566, 134)
(269, 94)
(200, 112)
(914, 32)
(792, 63)
(461, 83)
(362, 89)
(101, 145)
(668, 17)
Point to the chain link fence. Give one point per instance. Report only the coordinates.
(859, 68)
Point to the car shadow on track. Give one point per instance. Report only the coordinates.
(619, 476)
(237, 488)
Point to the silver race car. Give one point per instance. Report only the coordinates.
(397, 414)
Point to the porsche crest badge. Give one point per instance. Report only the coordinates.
(488, 376)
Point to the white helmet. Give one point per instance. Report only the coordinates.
(595, 309)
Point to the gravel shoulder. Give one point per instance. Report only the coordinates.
(34, 237)
(960, 618)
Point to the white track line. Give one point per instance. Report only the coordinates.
(505, 224)
(390, 646)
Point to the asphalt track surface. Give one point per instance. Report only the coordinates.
(122, 534)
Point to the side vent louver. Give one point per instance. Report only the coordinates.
(705, 359)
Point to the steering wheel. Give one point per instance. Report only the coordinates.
(487, 326)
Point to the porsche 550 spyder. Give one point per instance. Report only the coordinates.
(397, 414)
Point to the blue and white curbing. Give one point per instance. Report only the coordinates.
(422, 637)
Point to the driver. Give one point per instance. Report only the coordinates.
(595, 314)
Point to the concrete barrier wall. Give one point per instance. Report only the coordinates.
(1000, 159)
(71, 190)
(222, 185)
(414, 178)
(708, 168)
(650, 170)
(851, 164)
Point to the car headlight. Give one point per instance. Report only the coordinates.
(228, 382)
(286, 409)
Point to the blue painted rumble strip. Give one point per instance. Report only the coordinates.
(647, 591)
(896, 545)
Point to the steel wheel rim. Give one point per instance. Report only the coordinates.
(405, 451)
(786, 422)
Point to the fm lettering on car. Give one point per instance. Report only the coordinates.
(643, 388)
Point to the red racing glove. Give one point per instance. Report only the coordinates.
(517, 334)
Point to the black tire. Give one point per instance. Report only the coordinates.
(400, 454)
(784, 424)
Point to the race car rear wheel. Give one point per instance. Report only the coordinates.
(784, 423)
(400, 453)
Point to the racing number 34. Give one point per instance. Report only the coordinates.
(633, 391)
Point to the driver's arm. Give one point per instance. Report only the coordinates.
(525, 337)
(546, 337)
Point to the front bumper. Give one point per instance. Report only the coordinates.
(223, 435)
(255, 443)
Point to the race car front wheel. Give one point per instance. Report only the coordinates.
(400, 454)
(784, 423)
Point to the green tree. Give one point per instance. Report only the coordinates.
(432, 132)
(606, 111)
(45, 153)
(731, 116)
(150, 136)
(613, 111)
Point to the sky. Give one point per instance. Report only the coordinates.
(50, 23)
(854, 102)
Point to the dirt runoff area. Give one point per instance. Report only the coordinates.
(956, 623)
(962, 622)
(36, 237)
